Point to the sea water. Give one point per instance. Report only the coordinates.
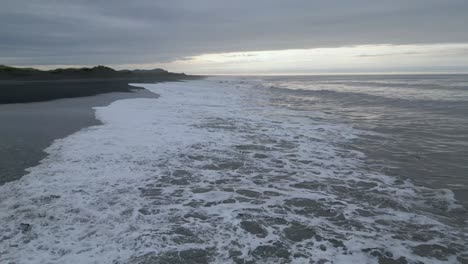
(254, 170)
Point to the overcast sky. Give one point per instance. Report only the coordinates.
(179, 34)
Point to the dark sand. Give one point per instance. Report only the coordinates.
(39, 91)
(26, 129)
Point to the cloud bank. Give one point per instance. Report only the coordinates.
(137, 32)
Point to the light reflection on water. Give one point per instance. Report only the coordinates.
(420, 123)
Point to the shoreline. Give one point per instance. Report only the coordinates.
(219, 175)
(28, 91)
(29, 128)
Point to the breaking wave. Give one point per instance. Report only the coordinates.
(212, 172)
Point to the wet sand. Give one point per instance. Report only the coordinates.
(28, 128)
(24, 91)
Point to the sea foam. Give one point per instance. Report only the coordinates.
(211, 172)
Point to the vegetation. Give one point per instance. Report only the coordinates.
(20, 85)
(13, 73)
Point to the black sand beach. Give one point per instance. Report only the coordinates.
(28, 128)
(24, 85)
(19, 91)
(37, 107)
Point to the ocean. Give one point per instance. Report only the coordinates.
(316, 169)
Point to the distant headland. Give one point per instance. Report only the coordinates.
(21, 85)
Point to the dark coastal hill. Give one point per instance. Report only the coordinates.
(20, 85)
(23, 74)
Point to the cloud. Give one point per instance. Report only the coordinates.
(134, 32)
(381, 58)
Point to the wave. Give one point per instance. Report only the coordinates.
(357, 98)
(211, 172)
(424, 82)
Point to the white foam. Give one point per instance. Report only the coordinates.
(111, 193)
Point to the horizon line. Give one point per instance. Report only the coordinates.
(116, 67)
(337, 74)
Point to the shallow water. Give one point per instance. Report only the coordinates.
(223, 171)
(28, 128)
(420, 122)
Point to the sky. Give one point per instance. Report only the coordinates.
(238, 37)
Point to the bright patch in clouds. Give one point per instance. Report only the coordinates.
(430, 58)
(356, 59)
